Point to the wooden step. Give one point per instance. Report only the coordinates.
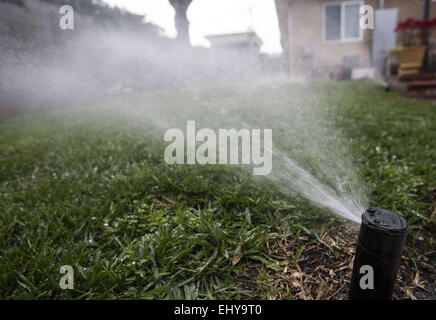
(423, 93)
(417, 77)
(425, 89)
(421, 83)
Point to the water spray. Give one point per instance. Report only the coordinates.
(381, 240)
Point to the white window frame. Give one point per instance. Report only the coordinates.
(342, 5)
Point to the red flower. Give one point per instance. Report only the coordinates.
(426, 23)
(411, 23)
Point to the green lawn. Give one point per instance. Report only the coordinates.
(89, 188)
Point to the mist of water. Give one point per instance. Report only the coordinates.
(310, 155)
(344, 204)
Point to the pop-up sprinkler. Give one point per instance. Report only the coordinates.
(381, 240)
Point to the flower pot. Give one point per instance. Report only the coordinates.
(411, 59)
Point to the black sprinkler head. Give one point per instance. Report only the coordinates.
(380, 243)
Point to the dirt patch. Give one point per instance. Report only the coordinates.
(319, 268)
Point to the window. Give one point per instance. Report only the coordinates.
(342, 21)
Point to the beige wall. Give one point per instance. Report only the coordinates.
(306, 25)
(410, 8)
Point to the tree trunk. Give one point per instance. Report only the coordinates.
(181, 21)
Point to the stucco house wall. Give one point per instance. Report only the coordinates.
(306, 52)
